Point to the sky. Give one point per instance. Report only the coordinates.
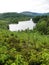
(40, 6)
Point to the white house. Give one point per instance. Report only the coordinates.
(22, 25)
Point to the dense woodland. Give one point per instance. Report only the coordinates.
(29, 47)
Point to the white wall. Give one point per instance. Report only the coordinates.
(22, 25)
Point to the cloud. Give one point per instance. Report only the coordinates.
(24, 5)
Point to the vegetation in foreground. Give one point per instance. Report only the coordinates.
(25, 47)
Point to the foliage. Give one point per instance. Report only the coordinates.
(29, 47)
(42, 24)
(23, 48)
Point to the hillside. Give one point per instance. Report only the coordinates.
(29, 47)
(13, 17)
(33, 13)
(22, 14)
